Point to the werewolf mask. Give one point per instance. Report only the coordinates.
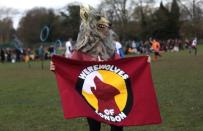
(95, 36)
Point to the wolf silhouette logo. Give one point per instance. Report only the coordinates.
(107, 93)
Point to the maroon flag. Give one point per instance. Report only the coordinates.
(118, 92)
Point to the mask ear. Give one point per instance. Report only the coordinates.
(90, 7)
(84, 12)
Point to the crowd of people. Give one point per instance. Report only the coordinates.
(26, 54)
(130, 47)
(172, 45)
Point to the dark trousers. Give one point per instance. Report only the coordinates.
(195, 48)
(96, 126)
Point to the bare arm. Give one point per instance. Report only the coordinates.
(149, 59)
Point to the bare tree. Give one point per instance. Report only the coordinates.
(118, 11)
(193, 8)
(31, 24)
(192, 14)
(6, 30)
(7, 12)
(122, 12)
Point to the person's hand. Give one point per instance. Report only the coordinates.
(52, 66)
(148, 59)
(99, 58)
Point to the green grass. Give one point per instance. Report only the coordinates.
(29, 99)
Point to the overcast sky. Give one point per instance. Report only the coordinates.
(23, 5)
(28, 4)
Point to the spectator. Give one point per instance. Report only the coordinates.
(194, 45)
(118, 47)
(156, 49)
(68, 48)
(2, 55)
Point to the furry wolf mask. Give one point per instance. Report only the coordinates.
(95, 35)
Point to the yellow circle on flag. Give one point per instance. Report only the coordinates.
(114, 80)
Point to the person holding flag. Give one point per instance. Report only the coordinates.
(96, 87)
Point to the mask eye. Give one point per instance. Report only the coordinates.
(98, 18)
(110, 25)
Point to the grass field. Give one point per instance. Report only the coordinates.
(29, 99)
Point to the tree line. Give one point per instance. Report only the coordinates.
(131, 19)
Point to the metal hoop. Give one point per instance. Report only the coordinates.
(44, 34)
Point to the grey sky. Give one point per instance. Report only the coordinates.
(23, 5)
(28, 4)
